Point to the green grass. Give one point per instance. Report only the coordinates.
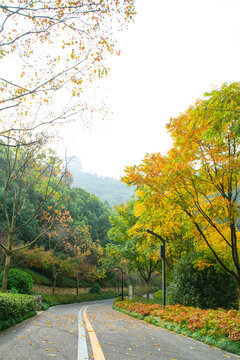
(37, 277)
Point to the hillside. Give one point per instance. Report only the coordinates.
(107, 189)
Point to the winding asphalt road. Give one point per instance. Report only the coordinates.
(95, 331)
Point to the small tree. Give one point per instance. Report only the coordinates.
(132, 243)
(58, 222)
(86, 255)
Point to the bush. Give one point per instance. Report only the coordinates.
(95, 289)
(52, 300)
(158, 295)
(38, 278)
(15, 305)
(5, 324)
(144, 300)
(205, 288)
(18, 280)
(84, 284)
(66, 282)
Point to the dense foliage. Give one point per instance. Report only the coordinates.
(205, 288)
(47, 225)
(18, 281)
(192, 192)
(130, 246)
(95, 289)
(15, 305)
(52, 300)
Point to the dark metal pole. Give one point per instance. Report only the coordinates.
(162, 255)
(118, 267)
(163, 276)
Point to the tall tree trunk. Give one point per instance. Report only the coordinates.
(5, 272)
(77, 281)
(54, 278)
(147, 288)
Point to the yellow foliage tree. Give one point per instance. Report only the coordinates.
(200, 176)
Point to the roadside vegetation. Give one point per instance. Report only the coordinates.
(15, 308)
(220, 328)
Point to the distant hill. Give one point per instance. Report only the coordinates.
(107, 189)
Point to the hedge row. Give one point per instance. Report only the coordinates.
(52, 300)
(13, 321)
(15, 305)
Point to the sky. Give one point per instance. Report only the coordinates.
(171, 54)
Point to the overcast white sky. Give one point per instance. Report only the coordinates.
(172, 53)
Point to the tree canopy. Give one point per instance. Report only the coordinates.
(199, 178)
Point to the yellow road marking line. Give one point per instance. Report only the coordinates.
(96, 347)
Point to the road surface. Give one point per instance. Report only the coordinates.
(95, 331)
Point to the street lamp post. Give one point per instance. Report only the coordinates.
(118, 267)
(162, 255)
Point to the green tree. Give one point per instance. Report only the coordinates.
(58, 222)
(34, 167)
(86, 255)
(87, 209)
(132, 243)
(205, 288)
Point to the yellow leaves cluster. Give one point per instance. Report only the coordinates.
(190, 193)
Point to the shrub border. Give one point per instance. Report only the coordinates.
(5, 324)
(224, 343)
(59, 299)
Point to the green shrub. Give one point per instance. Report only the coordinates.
(157, 295)
(45, 306)
(84, 284)
(5, 324)
(205, 288)
(95, 288)
(66, 282)
(38, 278)
(15, 305)
(144, 300)
(19, 280)
(52, 300)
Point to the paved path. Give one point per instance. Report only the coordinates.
(52, 334)
(123, 337)
(59, 333)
